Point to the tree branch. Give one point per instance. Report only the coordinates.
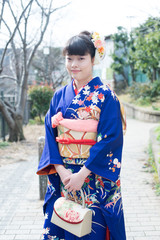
(41, 37)
(60, 7)
(55, 9)
(15, 19)
(6, 76)
(2, 9)
(9, 107)
(7, 104)
(7, 116)
(12, 36)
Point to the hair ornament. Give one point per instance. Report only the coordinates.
(99, 44)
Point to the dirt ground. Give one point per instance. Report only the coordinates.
(21, 150)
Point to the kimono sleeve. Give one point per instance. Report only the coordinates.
(50, 155)
(105, 155)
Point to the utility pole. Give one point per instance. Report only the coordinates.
(130, 22)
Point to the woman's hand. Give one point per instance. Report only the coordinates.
(75, 181)
(63, 172)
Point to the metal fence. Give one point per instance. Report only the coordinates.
(12, 101)
(3, 124)
(3, 128)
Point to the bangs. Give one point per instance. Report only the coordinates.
(76, 46)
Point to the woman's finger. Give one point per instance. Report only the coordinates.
(70, 189)
(67, 186)
(66, 180)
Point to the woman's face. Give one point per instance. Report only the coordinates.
(80, 67)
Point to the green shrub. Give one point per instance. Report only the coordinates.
(4, 144)
(143, 101)
(40, 100)
(153, 169)
(157, 187)
(145, 93)
(32, 122)
(155, 89)
(157, 130)
(36, 120)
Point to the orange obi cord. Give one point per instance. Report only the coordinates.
(75, 141)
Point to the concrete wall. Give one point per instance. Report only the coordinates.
(141, 113)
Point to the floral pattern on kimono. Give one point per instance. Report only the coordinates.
(101, 188)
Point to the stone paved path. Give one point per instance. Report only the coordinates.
(21, 211)
(141, 205)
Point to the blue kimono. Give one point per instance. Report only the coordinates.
(102, 187)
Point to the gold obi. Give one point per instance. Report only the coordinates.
(76, 144)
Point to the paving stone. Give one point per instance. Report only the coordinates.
(7, 237)
(152, 233)
(17, 231)
(146, 238)
(28, 237)
(142, 228)
(135, 234)
(32, 227)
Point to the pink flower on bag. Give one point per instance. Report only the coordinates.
(72, 216)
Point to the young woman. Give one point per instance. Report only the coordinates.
(83, 145)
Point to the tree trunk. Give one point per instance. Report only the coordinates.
(40, 118)
(133, 73)
(150, 75)
(154, 74)
(125, 79)
(16, 133)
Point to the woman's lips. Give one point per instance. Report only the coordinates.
(75, 71)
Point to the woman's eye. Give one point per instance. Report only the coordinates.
(81, 58)
(69, 59)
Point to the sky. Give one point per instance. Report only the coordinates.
(103, 16)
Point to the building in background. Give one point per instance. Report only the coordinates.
(108, 76)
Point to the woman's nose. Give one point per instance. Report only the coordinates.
(74, 63)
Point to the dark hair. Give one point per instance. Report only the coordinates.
(80, 45)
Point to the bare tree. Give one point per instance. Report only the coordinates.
(1, 10)
(22, 56)
(50, 68)
(12, 34)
